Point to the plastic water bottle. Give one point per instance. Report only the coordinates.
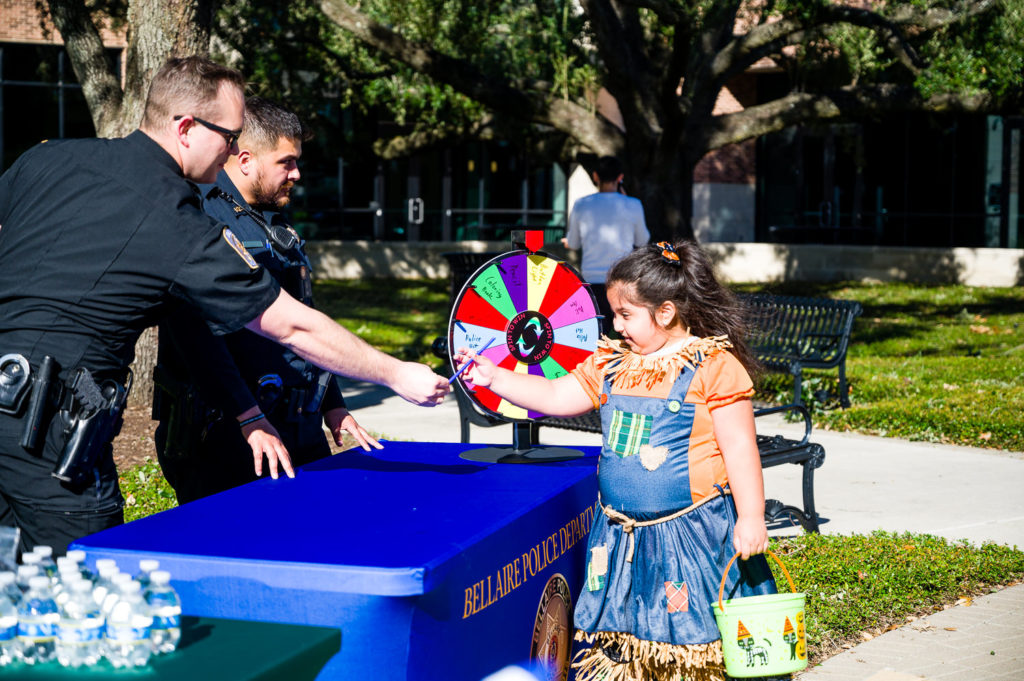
(9, 588)
(67, 574)
(8, 626)
(78, 556)
(33, 560)
(25, 573)
(114, 594)
(128, 628)
(166, 608)
(105, 562)
(37, 622)
(80, 630)
(146, 567)
(46, 563)
(103, 583)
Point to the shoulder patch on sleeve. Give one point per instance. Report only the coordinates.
(238, 248)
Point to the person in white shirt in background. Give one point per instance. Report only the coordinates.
(607, 226)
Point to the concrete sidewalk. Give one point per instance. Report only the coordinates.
(866, 483)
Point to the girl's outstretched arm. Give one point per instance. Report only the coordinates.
(734, 431)
(562, 396)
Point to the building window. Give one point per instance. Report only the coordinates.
(39, 98)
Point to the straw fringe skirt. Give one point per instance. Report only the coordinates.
(617, 656)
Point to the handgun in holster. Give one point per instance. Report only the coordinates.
(91, 415)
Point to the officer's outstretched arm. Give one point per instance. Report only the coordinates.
(317, 338)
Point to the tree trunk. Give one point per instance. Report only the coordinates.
(158, 30)
(666, 189)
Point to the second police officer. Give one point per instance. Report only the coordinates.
(208, 385)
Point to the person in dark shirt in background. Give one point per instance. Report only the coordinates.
(207, 385)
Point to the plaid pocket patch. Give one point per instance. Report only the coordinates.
(628, 433)
(678, 596)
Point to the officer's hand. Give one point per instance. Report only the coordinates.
(264, 441)
(340, 421)
(416, 383)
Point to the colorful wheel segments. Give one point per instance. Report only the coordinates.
(545, 320)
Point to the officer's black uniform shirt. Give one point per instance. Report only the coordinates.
(226, 372)
(96, 236)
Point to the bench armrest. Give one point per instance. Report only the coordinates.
(799, 408)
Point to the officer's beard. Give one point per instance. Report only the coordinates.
(265, 197)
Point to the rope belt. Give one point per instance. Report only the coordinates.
(629, 524)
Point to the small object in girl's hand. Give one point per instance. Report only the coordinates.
(463, 367)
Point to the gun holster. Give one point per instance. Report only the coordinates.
(91, 414)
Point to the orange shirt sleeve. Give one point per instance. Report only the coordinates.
(590, 379)
(724, 380)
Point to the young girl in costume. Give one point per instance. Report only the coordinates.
(680, 486)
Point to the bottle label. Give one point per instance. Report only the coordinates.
(166, 621)
(128, 634)
(88, 631)
(8, 627)
(38, 632)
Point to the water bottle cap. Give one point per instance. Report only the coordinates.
(80, 585)
(6, 578)
(68, 573)
(66, 563)
(27, 571)
(105, 561)
(160, 577)
(42, 550)
(77, 555)
(38, 582)
(107, 571)
(148, 565)
(121, 578)
(31, 559)
(131, 587)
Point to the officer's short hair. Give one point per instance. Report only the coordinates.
(186, 86)
(608, 169)
(266, 122)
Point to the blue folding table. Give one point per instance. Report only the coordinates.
(432, 566)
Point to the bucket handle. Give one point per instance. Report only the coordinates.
(721, 585)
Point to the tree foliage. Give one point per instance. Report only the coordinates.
(538, 64)
(531, 70)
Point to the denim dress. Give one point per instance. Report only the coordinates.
(653, 591)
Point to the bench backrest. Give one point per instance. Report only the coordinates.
(812, 331)
(461, 265)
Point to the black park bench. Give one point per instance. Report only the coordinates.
(775, 450)
(793, 333)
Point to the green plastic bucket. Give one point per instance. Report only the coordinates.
(762, 635)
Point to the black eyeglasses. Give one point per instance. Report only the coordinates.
(230, 136)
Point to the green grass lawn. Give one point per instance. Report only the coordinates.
(935, 363)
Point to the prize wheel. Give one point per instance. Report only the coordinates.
(537, 316)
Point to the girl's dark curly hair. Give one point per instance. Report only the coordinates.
(648, 278)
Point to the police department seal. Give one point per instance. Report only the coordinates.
(552, 641)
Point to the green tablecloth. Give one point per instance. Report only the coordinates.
(215, 649)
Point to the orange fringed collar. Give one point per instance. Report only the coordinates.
(629, 369)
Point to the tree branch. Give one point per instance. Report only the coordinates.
(526, 103)
(663, 9)
(631, 78)
(101, 85)
(846, 103)
(770, 37)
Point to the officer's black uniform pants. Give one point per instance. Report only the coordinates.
(48, 511)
